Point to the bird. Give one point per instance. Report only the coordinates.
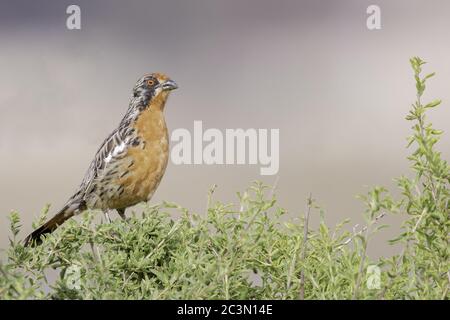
(129, 165)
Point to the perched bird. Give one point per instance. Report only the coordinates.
(130, 163)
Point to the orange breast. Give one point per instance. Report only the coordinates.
(149, 160)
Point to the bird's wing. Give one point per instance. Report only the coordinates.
(114, 147)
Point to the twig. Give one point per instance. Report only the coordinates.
(275, 186)
(272, 191)
(363, 260)
(210, 193)
(305, 239)
(291, 270)
(444, 294)
(355, 234)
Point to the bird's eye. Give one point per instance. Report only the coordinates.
(150, 82)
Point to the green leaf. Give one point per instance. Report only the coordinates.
(433, 104)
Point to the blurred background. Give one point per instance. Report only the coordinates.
(337, 91)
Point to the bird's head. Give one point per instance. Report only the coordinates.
(153, 86)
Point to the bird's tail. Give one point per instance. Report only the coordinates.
(69, 210)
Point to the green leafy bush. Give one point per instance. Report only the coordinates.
(251, 250)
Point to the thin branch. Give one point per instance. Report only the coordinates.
(275, 186)
(305, 240)
(363, 260)
(444, 294)
(355, 234)
(210, 194)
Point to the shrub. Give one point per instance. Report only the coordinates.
(251, 250)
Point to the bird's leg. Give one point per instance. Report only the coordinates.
(107, 217)
(121, 213)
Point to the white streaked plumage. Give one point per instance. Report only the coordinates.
(118, 149)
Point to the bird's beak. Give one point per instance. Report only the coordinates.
(169, 85)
